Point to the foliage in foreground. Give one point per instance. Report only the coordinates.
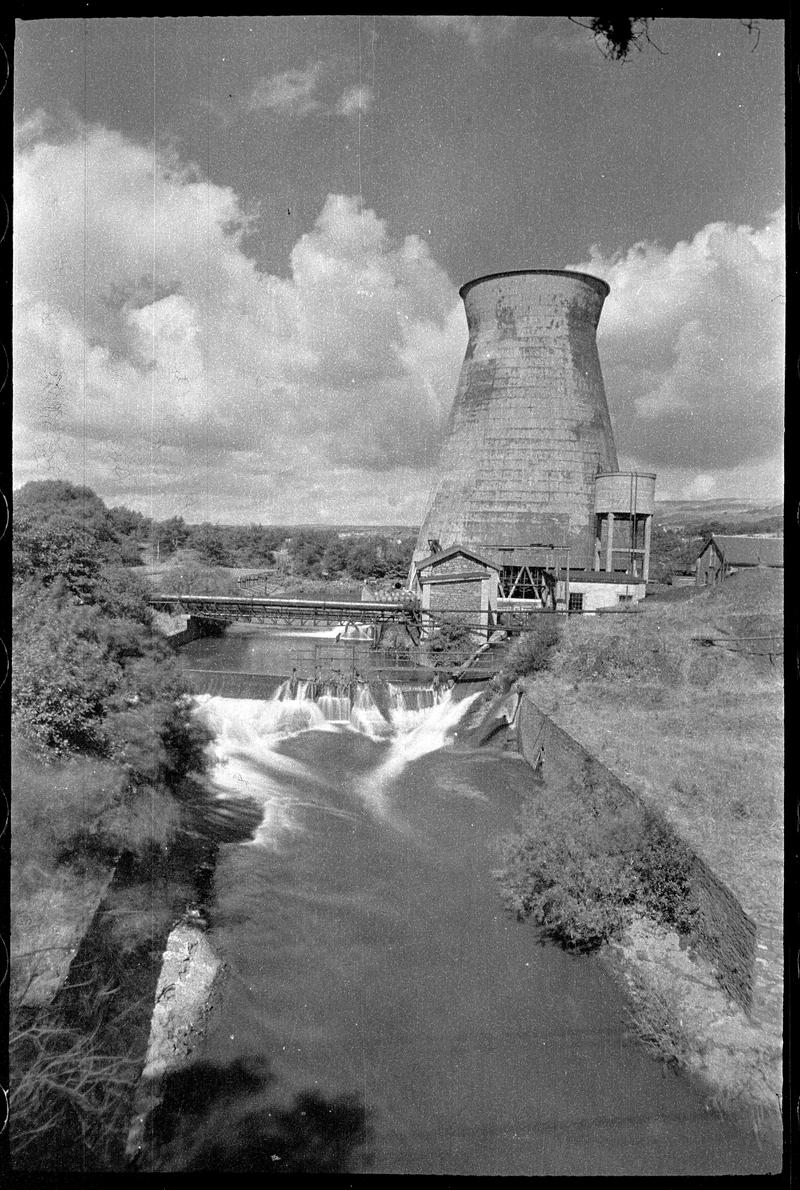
(101, 714)
(531, 651)
(586, 859)
(66, 1088)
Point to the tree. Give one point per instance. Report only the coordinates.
(211, 546)
(170, 535)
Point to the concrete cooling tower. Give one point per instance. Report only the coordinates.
(529, 429)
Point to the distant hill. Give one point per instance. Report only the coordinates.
(744, 514)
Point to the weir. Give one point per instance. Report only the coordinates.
(377, 710)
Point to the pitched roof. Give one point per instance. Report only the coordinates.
(740, 550)
(435, 559)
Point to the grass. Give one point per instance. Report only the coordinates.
(697, 732)
(82, 814)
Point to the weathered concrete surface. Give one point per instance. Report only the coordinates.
(190, 974)
(168, 623)
(49, 919)
(530, 427)
(683, 1013)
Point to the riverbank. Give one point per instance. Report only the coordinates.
(715, 1011)
(679, 1012)
(738, 1052)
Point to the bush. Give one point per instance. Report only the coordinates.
(531, 652)
(586, 859)
(663, 865)
(453, 643)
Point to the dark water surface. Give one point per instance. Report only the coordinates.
(370, 955)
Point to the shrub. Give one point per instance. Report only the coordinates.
(663, 865)
(531, 651)
(454, 642)
(586, 859)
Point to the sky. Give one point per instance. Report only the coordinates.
(238, 244)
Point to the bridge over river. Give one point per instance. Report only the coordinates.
(295, 613)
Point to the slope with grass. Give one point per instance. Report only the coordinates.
(105, 759)
(696, 731)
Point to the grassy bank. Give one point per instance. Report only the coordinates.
(696, 731)
(107, 762)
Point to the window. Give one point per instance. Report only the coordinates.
(576, 602)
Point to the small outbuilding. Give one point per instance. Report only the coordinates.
(724, 554)
(458, 584)
(597, 591)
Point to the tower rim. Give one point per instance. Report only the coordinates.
(597, 281)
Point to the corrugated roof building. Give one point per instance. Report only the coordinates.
(724, 554)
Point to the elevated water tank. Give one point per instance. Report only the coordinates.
(529, 429)
(624, 503)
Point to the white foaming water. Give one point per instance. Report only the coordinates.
(245, 762)
(424, 730)
(246, 732)
(345, 631)
(366, 717)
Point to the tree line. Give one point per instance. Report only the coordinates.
(305, 552)
(101, 716)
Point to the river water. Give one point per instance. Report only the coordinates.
(370, 957)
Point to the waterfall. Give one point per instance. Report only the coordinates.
(246, 732)
(425, 729)
(416, 714)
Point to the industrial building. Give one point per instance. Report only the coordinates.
(528, 485)
(724, 554)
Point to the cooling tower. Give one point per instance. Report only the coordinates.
(529, 429)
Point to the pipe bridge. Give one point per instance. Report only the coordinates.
(313, 613)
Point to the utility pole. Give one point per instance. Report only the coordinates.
(565, 547)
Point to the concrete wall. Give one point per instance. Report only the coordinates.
(194, 630)
(598, 596)
(725, 934)
(529, 427)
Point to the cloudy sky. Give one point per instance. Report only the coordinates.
(239, 242)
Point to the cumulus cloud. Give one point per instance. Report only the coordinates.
(312, 90)
(155, 359)
(293, 92)
(476, 30)
(360, 98)
(692, 347)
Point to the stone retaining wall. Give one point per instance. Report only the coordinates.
(725, 934)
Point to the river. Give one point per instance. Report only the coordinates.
(370, 957)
